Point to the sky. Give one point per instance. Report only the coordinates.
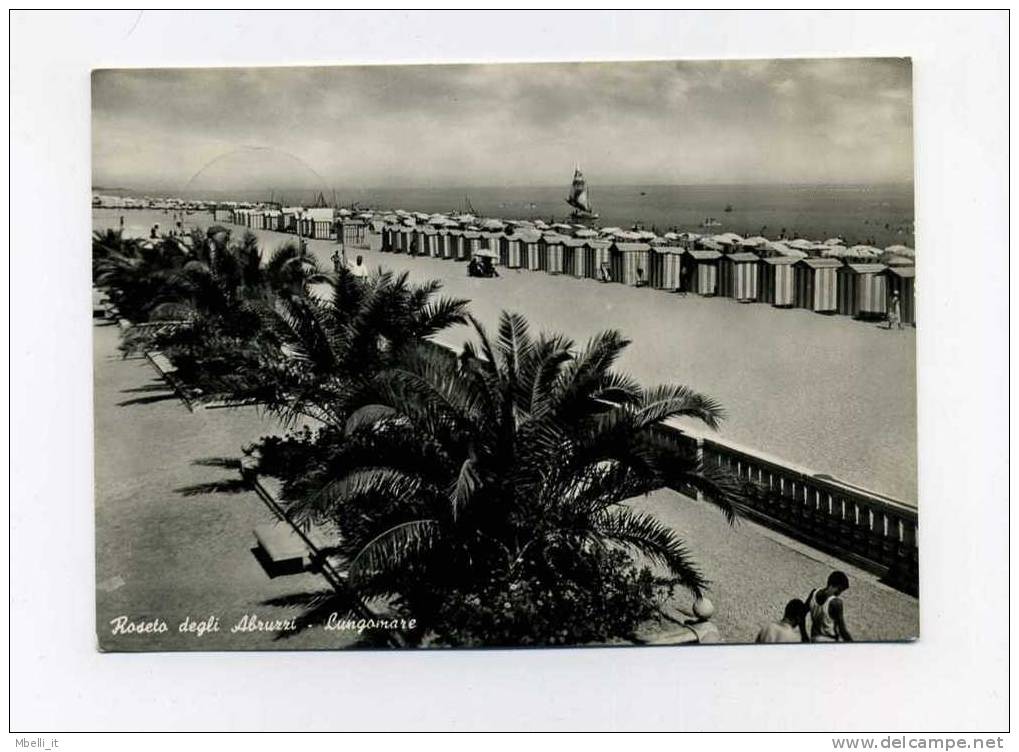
(780, 121)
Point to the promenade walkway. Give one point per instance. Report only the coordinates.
(164, 554)
(161, 553)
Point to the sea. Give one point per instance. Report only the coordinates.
(879, 215)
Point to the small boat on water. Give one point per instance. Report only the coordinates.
(579, 199)
(728, 208)
(711, 222)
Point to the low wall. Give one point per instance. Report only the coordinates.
(872, 531)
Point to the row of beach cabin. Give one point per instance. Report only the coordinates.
(824, 285)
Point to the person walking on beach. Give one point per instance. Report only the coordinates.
(894, 312)
(359, 270)
(827, 611)
(792, 627)
(338, 260)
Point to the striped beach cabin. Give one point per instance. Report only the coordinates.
(390, 238)
(706, 270)
(290, 216)
(509, 251)
(492, 241)
(471, 244)
(550, 253)
(353, 233)
(274, 220)
(667, 267)
(597, 253)
(902, 279)
(629, 262)
(574, 256)
(817, 284)
(375, 235)
(454, 239)
(738, 276)
(863, 290)
(223, 215)
(778, 281)
(321, 223)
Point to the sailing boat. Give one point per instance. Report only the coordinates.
(578, 197)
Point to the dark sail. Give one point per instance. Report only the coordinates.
(578, 197)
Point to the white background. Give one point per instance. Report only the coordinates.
(953, 679)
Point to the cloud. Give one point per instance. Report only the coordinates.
(839, 120)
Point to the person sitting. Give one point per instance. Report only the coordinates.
(827, 611)
(604, 272)
(641, 281)
(792, 627)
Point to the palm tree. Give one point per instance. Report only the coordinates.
(509, 467)
(322, 351)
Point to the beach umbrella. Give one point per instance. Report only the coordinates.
(728, 238)
(890, 259)
(626, 235)
(671, 236)
(585, 234)
(754, 242)
(864, 251)
(901, 250)
(409, 221)
(800, 244)
(561, 226)
(834, 241)
(492, 224)
(709, 244)
(646, 235)
(366, 215)
(540, 224)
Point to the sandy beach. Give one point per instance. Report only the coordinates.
(826, 392)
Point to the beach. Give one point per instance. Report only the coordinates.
(827, 392)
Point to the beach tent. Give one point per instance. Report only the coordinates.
(706, 261)
(863, 290)
(778, 248)
(800, 244)
(388, 239)
(274, 220)
(509, 251)
(454, 244)
(778, 281)
(352, 233)
(834, 241)
(738, 274)
(729, 241)
(471, 244)
(816, 284)
(491, 241)
(429, 242)
(596, 253)
(754, 242)
(667, 268)
(405, 238)
(486, 253)
(901, 250)
(375, 235)
(321, 222)
(574, 256)
(902, 279)
(550, 253)
(630, 262)
(585, 233)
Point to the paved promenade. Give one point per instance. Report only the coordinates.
(164, 554)
(161, 553)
